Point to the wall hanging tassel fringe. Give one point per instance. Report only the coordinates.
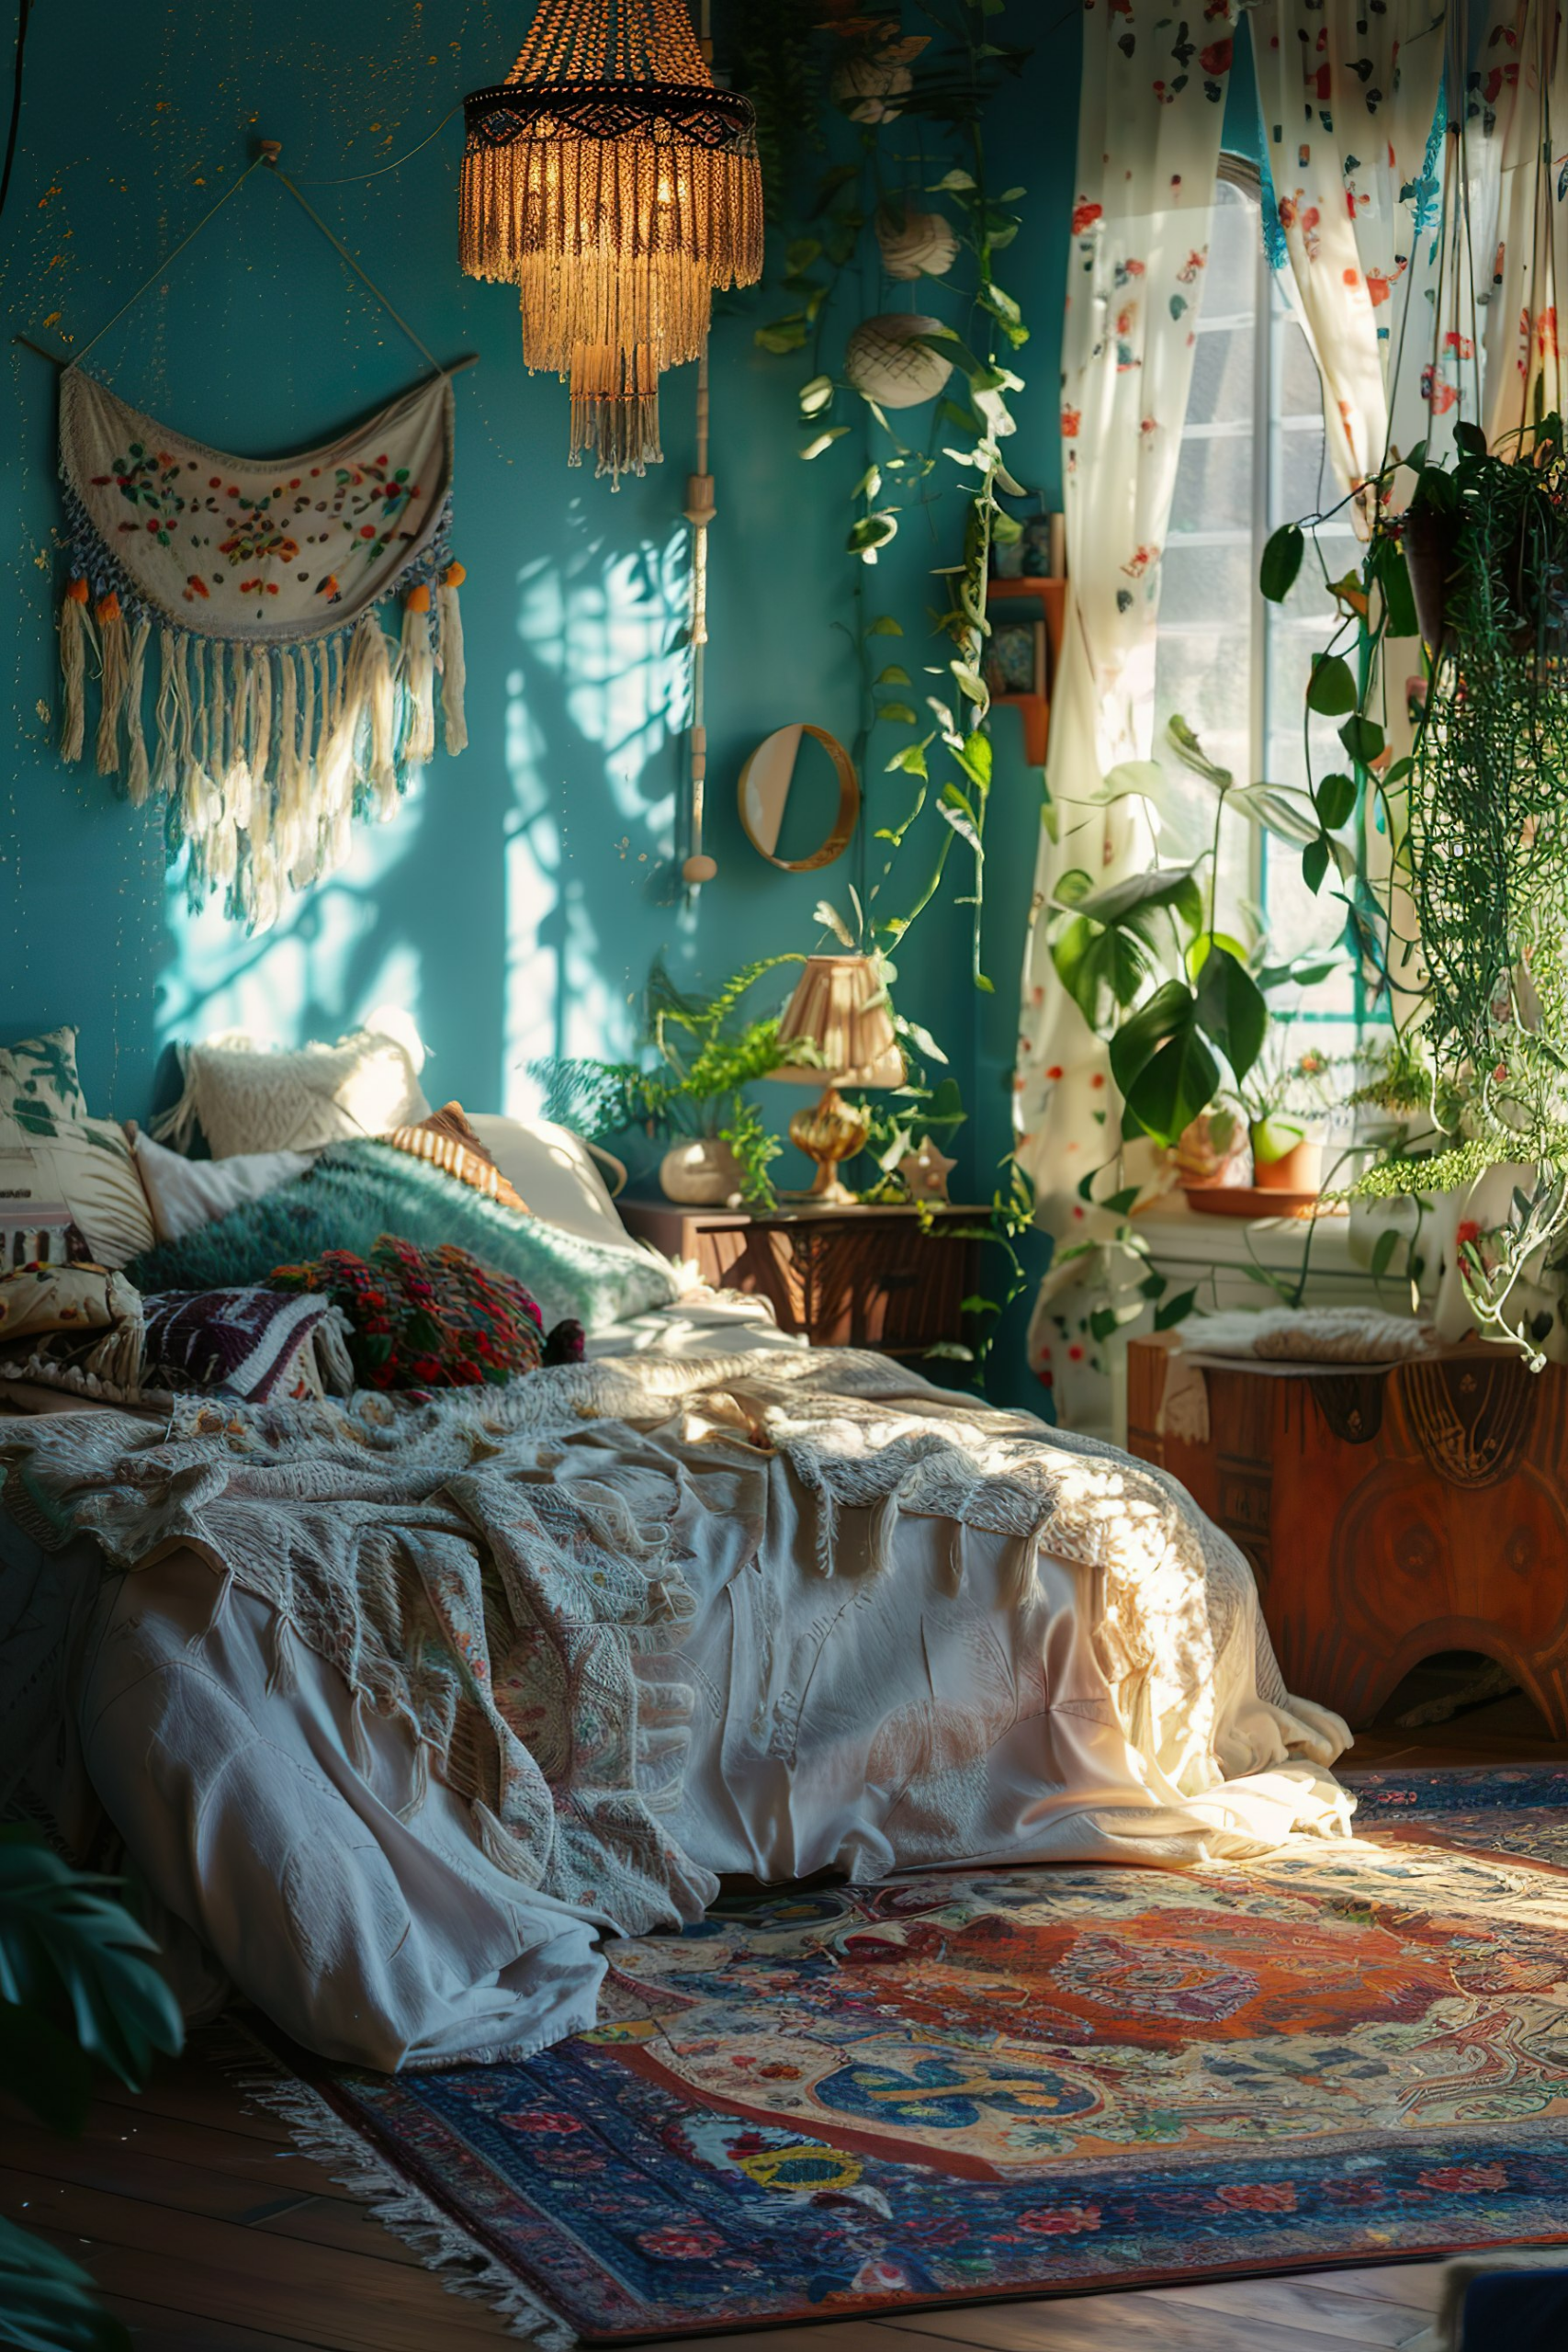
(418, 662)
(285, 712)
(137, 778)
(111, 683)
(453, 669)
(74, 669)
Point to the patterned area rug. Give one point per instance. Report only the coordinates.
(837, 2101)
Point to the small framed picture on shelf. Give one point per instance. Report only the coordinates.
(1044, 548)
(1015, 657)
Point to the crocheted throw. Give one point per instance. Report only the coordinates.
(484, 1566)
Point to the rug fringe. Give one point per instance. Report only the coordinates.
(461, 2264)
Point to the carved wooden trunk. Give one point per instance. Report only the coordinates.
(1388, 1515)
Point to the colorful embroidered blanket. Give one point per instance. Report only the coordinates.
(283, 710)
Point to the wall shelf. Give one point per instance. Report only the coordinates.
(1035, 710)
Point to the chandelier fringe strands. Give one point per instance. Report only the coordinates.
(615, 185)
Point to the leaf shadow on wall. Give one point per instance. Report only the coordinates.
(515, 901)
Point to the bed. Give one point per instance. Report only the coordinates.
(399, 1711)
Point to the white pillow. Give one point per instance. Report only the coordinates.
(555, 1171)
(83, 1166)
(247, 1098)
(185, 1193)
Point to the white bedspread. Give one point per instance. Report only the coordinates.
(869, 1677)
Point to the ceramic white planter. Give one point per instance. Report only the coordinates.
(700, 1172)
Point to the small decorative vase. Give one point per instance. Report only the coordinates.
(1298, 1167)
(700, 1172)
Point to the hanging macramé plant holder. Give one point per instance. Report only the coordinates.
(282, 709)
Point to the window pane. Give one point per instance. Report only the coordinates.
(1222, 366)
(1214, 486)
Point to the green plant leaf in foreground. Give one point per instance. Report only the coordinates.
(1281, 562)
(47, 2304)
(71, 1954)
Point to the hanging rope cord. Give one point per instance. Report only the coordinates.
(24, 13)
(309, 209)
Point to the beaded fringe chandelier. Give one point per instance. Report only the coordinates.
(612, 181)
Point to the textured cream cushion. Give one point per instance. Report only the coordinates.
(554, 1170)
(86, 1166)
(247, 1098)
(187, 1194)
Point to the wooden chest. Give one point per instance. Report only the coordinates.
(1388, 1515)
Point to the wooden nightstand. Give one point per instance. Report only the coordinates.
(842, 1278)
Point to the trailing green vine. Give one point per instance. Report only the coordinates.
(1478, 814)
(938, 85)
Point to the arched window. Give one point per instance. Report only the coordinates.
(1235, 668)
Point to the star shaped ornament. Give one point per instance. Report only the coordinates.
(926, 1173)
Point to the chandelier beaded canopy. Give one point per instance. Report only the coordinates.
(614, 182)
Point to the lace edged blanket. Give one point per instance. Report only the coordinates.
(471, 1582)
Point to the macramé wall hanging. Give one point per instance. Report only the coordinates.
(283, 712)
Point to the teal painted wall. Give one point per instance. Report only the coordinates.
(517, 899)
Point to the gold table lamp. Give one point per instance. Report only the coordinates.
(840, 1006)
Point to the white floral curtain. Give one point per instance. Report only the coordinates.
(1516, 119)
(1348, 98)
(1152, 104)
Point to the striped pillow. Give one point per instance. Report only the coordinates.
(448, 1141)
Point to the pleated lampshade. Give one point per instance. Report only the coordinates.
(615, 185)
(840, 1006)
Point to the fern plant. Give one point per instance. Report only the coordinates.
(79, 1985)
(706, 1054)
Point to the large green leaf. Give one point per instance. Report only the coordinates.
(1281, 562)
(1333, 688)
(1093, 962)
(1175, 886)
(1175, 1085)
(71, 1952)
(1392, 575)
(1335, 798)
(1172, 1009)
(47, 2304)
(1231, 1010)
(1279, 809)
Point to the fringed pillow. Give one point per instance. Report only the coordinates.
(425, 1318)
(448, 1141)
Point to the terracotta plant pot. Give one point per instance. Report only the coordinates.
(700, 1172)
(1299, 1170)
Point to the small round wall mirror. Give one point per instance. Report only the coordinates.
(765, 781)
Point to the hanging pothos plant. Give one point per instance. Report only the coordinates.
(905, 93)
(1477, 815)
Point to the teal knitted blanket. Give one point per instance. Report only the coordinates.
(356, 1191)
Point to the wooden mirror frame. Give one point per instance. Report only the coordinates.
(753, 817)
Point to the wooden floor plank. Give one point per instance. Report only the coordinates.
(1271, 2302)
(1417, 2286)
(240, 2155)
(1139, 2321)
(155, 2328)
(215, 2270)
(280, 2208)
